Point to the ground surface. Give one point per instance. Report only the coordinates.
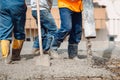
(106, 56)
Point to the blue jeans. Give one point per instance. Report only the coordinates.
(12, 19)
(48, 28)
(71, 24)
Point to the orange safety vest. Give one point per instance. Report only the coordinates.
(74, 5)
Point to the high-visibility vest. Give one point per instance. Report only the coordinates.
(74, 5)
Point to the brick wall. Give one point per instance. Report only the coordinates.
(99, 13)
(31, 27)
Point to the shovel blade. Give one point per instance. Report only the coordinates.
(43, 60)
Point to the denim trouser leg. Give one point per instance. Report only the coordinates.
(66, 26)
(76, 32)
(75, 35)
(36, 42)
(48, 29)
(46, 41)
(12, 19)
(71, 24)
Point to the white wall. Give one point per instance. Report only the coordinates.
(112, 25)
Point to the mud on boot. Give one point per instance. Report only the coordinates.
(16, 49)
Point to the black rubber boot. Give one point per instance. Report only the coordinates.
(72, 50)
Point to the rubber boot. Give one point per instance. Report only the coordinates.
(16, 49)
(73, 51)
(5, 49)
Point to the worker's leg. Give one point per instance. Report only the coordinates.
(19, 18)
(75, 35)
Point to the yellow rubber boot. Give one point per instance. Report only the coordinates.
(5, 49)
(16, 49)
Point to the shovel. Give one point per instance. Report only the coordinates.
(43, 59)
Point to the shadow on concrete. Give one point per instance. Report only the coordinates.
(99, 61)
(64, 52)
(29, 56)
(82, 56)
(108, 52)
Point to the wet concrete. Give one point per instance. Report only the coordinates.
(105, 67)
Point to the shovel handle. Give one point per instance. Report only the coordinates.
(39, 27)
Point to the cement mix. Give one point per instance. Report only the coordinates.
(64, 68)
